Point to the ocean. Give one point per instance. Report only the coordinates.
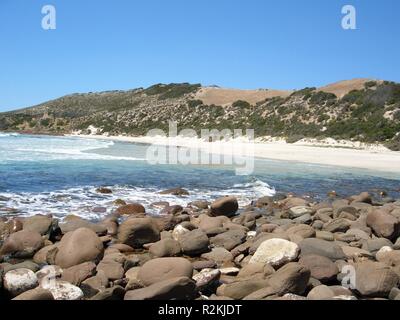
(60, 175)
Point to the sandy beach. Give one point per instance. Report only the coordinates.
(370, 157)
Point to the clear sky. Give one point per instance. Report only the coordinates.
(122, 44)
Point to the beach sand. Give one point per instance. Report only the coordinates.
(373, 158)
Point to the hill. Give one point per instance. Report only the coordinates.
(360, 109)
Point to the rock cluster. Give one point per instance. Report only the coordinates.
(277, 248)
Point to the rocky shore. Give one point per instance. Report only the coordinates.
(276, 248)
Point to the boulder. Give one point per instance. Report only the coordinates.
(291, 278)
(19, 280)
(161, 269)
(112, 269)
(375, 279)
(62, 290)
(322, 268)
(76, 247)
(229, 239)
(35, 295)
(226, 206)
(132, 208)
(383, 224)
(275, 252)
(22, 244)
(328, 249)
(302, 230)
(72, 223)
(321, 292)
(240, 289)
(138, 231)
(337, 225)
(181, 288)
(194, 242)
(207, 280)
(77, 274)
(176, 192)
(40, 224)
(218, 255)
(165, 248)
(110, 294)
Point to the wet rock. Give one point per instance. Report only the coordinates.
(226, 206)
(132, 208)
(176, 192)
(104, 190)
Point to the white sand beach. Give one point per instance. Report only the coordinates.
(330, 152)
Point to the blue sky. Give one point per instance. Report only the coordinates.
(122, 44)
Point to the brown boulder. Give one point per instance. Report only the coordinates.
(132, 208)
(165, 248)
(138, 231)
(383, 224)
(181, 288)
(22, 244)
(194, 242)
(226, 206)
(321, 267)
(76, 247)
(161, 269)
(79, 273)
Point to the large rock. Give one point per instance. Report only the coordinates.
(62, 290)
(302, 230)
(218, 255)
(229, 239)
(275, 252)
(112, 269)
(72, 223)
(384, 224)
(328, 249)
(132, 208)
(194, 242)
(207, 280)
(138, 231)
(165, 248)
(240, 289)
(322, 268)
(161, 269)
(79, 273)
(19, 280)
(181, 288)
(375, 279)
(22, 244)
(40, 224)
(226, 206)
(176, 192)
(76, 247)
(110, 294)
(291, 278)
(337, 225)
(35, 295)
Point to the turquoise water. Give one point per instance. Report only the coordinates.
(59, 175)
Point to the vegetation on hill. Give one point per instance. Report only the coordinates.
(371, 114)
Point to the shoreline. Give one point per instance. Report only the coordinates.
(377, 158)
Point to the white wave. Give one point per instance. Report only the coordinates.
(260, 188)
(4, 135)
(81, 201)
